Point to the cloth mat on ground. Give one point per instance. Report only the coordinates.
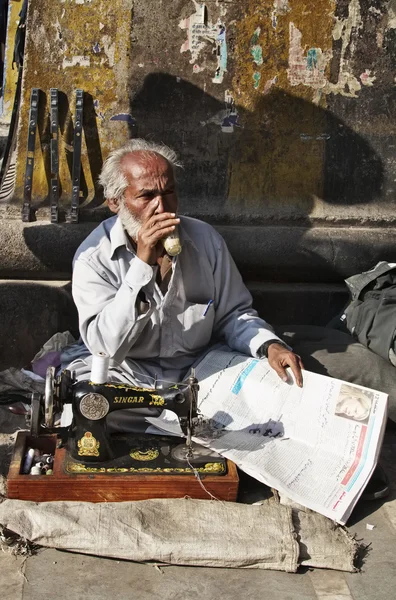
(16, 380)
(186, 532)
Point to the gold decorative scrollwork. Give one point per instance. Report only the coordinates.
(78, 468)
(144, 455)
(156, 400)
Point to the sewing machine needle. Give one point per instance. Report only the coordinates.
(188, 443)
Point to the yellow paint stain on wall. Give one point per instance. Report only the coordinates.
(11, 72)
(71, 46)
(279, 152)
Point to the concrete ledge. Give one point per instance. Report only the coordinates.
(301, 254)
(30, 313)
(39, 250)
(298, 303)
(262, 253)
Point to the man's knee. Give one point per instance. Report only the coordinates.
(336, 354)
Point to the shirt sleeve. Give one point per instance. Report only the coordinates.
(236, 321)
(109, 318)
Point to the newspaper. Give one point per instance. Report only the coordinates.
(318, 444)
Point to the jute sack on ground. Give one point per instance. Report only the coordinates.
(181, 532)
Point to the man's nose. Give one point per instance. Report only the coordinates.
(160, 208)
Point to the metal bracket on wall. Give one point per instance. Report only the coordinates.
(72, 217)
(54, 192)
(27, 212)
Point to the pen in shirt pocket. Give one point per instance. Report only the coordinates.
(207, 308)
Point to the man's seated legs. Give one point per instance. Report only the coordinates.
(334, 353)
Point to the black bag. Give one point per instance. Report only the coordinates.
(371, 314)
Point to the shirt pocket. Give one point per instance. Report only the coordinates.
(197, 324)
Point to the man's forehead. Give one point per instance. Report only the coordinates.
(143, 166)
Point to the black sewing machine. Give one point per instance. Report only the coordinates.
(90, 447)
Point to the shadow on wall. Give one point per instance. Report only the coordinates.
(278, 158)
(264, 164)
(275, 158)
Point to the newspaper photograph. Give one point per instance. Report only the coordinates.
(318, 445)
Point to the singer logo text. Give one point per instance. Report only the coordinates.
(128, 399)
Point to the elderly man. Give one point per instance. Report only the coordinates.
(155, 315)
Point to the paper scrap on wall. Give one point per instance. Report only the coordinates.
(200, 32)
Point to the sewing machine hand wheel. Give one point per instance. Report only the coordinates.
(49, 397)
(37, 404)
(35, 414)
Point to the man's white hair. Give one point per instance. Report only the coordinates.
(112, 177)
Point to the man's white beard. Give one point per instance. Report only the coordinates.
(130, 223)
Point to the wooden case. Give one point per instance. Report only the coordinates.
(104, 487)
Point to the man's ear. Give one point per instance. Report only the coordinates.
(113, 204)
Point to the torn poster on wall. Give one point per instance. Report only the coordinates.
(257, 52)
(366, 78)
(227, 118)
(255, 49)
(308, 67)
(76, 61)
(200, 32)
(221, 53)
(281, 7)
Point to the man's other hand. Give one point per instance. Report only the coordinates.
(280, 357)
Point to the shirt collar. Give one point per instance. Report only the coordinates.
(118, 237)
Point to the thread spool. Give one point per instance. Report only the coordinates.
(27, 463)
(100, 368)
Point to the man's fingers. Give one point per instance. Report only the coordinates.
(301, 367)
(152, 209)
(296, 370)
(159, 223)
(164, 222)
(284, 359)
(152, 217)
(153, 229)
(157, 219)
(295, 367)
(158, 230)
(281, 371)
(293, 361)
(158, 234)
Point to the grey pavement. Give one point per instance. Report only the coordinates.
(66, 576)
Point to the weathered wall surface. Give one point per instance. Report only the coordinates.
(75, 44)
(10, 75)
(299, 124)
(283, 112)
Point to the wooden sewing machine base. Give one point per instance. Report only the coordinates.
(104, 487)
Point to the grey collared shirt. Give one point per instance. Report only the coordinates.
(206, 301)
